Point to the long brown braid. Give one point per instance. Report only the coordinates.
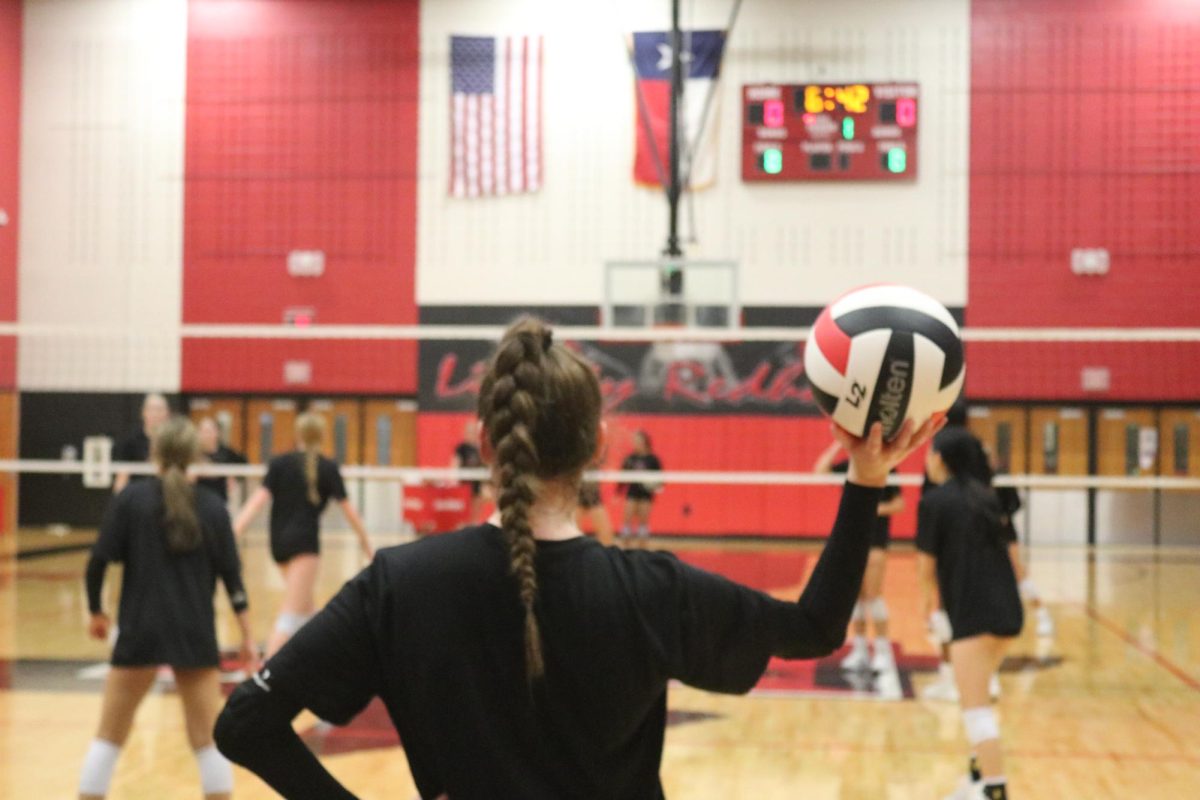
(540, 406)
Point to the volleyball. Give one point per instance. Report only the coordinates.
(884, 353)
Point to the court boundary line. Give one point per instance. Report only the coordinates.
(1152, 653)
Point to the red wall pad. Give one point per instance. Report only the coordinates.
(301, 135)
(1145, 372)
(10, 136)
(1083, 120)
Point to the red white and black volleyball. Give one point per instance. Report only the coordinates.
(884, 353)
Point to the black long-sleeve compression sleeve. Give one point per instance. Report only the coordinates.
(815, 625)
(230, 568)
(94, 581)
(719, 635)
(255, 730)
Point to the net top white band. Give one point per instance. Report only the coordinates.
(417, 475)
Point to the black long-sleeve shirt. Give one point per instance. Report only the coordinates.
(166, 611)
(435, 629)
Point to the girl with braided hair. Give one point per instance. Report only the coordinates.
(521, 659)
(299, 485)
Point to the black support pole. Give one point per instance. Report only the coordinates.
(674, 190)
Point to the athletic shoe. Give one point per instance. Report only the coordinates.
(967, 789)
(941, 690)
(857, 660)
(884, 660)
(994, 687)
(1045, 623)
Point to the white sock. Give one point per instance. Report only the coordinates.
(98, 767)
(946, 671)
(859, 643)
(216, 773)
(883, 644)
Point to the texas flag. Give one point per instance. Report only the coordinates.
(702, 65)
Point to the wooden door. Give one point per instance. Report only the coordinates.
(1058, 441)
(390, 433)
(1179, 442)
(9, 422)
(1127, 441)
(1004, 432)
(270, 428)
(343, 429)
(229, 414)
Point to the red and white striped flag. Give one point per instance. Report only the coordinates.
(496, 115)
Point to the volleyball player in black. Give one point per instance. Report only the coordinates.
(639, 497)
(591, 508)
(214, 451)
(467, 456)
(135, 448)
(871, 605)
(1010, 504)
(174, 542)
(299, 485)
(521, 659)
(963, 556)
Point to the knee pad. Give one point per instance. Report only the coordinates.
(878, 609)
(288, 623)
(98, 767)
(858, 615)
(1029, 590)
(216, 773)
(939, 627)
(981, 725)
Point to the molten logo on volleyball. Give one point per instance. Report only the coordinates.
(884, 353)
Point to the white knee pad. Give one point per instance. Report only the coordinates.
(859, 613)
(981, 725)
(1029, 590)
(288, 623)
(216, 773)
(98, 767)
(939, 627)
(878, 610)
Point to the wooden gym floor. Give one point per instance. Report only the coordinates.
(1108, 709)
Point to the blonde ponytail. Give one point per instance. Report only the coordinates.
(310, 431)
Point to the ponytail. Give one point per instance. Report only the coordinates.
(540, 407)
(310, 430)
(175, 448)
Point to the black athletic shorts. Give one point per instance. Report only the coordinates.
(289, 545)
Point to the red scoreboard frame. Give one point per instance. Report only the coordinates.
(829, 132)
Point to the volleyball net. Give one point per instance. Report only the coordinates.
(1099, 429)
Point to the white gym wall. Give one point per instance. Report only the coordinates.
(102, 192)
(798, 244)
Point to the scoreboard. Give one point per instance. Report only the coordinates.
(829, 132)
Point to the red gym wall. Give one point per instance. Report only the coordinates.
(301, 135)
(10, 135)
(1084, 116)
(739, 442)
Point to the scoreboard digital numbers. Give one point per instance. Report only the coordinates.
(829, 132)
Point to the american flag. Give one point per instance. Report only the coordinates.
(496, 115)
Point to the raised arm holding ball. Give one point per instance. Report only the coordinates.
(548, 611)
